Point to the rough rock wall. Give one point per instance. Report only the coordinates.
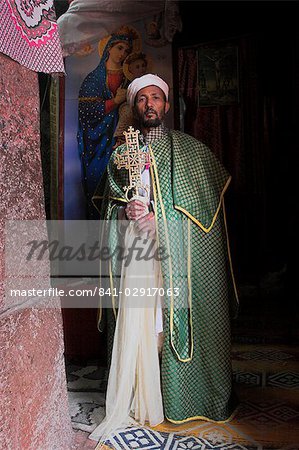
(33, 396)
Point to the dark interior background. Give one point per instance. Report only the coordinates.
(259, 146)
(257, 142)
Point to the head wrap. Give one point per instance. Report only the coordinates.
(146, 80)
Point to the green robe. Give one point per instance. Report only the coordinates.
(188, 185)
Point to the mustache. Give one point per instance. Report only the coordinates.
(150, 110)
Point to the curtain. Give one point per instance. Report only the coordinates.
(242, 136)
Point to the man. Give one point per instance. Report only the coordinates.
(185, 215)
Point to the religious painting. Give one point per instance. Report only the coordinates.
(218, 77)
(96, 112)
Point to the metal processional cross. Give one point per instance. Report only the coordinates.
(134, 160)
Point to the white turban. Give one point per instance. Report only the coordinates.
(146, 80)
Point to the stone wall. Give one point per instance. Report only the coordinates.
(33, 394)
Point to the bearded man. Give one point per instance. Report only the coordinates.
(185, 215)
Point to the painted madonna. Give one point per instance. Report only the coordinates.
(101, 93)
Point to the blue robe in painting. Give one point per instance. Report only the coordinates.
(96, 128)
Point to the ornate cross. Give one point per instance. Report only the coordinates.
(134, 160)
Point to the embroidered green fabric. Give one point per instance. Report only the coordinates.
(188, 184)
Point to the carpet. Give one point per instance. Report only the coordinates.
(148, 439)
(266, 380)
(86, 394)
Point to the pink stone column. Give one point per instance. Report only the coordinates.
(33, 396)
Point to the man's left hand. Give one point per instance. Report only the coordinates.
(147, 224)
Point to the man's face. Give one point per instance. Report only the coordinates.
(150, 106)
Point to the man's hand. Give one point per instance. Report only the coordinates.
(147, 224)
(135, 210)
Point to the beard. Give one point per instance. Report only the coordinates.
(146, 122)
(151, 123)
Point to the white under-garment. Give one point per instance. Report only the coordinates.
(134, 391)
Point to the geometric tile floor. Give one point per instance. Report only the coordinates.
(266, 380)
(86, 392)
(86, 409)
(149, 439)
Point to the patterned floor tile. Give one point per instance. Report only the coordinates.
(266, 379)
(222, 434)
(267, 414)
(249, 378)
(285, 380)
(142, 438)
(86, 410)
(263, 354)
(89, 378)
